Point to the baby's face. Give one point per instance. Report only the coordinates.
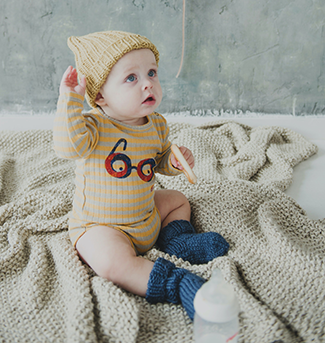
(132, 89)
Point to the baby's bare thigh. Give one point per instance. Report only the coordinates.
(100, 246)
(111, 255)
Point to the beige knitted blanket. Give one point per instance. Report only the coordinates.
(275, 261)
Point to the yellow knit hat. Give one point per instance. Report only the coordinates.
(96, 54)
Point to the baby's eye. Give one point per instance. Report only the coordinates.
(152, 73)
(131, 78)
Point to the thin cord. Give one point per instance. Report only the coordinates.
(183, 41)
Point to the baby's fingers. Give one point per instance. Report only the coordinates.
(69, 78)
(81, 88)
(69, 82)
(178, 154)
(68, 74)
(187, 155)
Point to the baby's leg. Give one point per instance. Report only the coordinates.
(178, 237)
(172, 205)
(110, 254)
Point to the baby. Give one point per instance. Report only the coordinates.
(118, 147)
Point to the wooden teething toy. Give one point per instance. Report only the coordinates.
(187, 169)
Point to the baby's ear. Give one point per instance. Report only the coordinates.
(99, 99)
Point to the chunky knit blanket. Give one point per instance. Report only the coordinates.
(275, 262)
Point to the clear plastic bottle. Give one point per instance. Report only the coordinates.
(216, 312)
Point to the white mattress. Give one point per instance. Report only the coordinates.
(308, 187)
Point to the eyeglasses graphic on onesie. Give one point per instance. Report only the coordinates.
(125, 171)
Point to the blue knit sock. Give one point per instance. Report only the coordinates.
(174, 285)
(180, 239)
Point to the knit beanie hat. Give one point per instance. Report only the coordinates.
(96, 54)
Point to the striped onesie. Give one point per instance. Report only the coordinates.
(115, 170)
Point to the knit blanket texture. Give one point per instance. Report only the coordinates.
(275, 262)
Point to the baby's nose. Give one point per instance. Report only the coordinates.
(147, 84)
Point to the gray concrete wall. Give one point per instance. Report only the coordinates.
(251, 55)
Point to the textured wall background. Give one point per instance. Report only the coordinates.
(252, 55)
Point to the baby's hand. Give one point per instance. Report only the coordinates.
(187, 155)
(69, 82)
(184, 161)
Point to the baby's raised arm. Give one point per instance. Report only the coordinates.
(75, 135)
(69, 82)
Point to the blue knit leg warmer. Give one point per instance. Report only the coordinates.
(180, 239)
(174, 285)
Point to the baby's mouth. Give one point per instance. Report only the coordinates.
(149, 100)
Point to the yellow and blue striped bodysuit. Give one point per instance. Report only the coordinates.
(115, 170)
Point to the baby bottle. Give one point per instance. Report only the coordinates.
(216, 312)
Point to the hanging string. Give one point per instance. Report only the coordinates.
(183, 41)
